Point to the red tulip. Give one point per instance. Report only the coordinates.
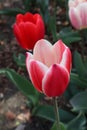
(49, 67)
(28, 29)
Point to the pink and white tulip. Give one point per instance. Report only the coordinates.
(78, 13)
(49, 67)
(74, 3)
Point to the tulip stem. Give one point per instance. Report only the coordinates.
(56, 113)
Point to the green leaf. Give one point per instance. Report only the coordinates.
(65, 116)
(83, 33)
(77, 123)
(52, 26)
(47, 112)
(27, 4)
(69, 36)
(22, 83)
(62, 126)
(12, 11)
(20, 60)
(43, 5)
(79, 102)
(75, 79)
(69, 93)
(80, 68)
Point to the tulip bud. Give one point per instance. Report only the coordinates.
(28, 29)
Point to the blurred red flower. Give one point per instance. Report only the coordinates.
(28, 29)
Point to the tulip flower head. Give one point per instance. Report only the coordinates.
(49, 67)
(28, 29)
(74, 3)
(78, 13)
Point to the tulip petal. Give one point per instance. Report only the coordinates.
(71, 3)
(19, 18)
(31, 34)
(29, 56)
(66, 59)
(75, 17)
(43, 52)
(19, 35)
(58, 49)
(55, 81)
(82, 8)
(37, 71)
(40, 26)
(28, 17)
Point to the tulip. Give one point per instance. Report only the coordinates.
(28, 29)
(49, 67)
(78, 13)
(74, 3)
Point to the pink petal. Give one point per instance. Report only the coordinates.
(43, 52)
(66, 59)
(82, 8)
(75, 17)
(55, 81)
(29, 56)
(58, 49)
(36, 71)
(71, 3)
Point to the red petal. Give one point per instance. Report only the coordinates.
(55, 81)
(19, 18)
(67, 59)
(28, 17)
(19, 36)
(31, 34)
(36, 72)
(29, 56)
(40, 26)
(58, 49)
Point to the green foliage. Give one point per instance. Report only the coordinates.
(77, 123)
(76, 80)
(12, 11)
(43, 5)
(44, 111)
(62, 126)
(69, 93)
(28, 4)
(80, 66)
(68, 35)
(79, 102)
(78, 62)
(52, 27)
(47, 112)
(83, 33)
(20, 60)
(22, 83)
